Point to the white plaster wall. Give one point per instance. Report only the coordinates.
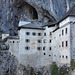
(14, 47)
(58, 50)
(30, 57)
(55, 45)
(4, 36)
(65, 21)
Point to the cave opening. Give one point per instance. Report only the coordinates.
(26, 10)
(34, 13)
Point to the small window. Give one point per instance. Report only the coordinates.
(54, 55)
(44, 53)
(50, 41)
(44, 48)
(39, 48)
(17, 42)
(39, 41)
(27, 33)
(59, 34)
(62, 44)
(13, 41)
(62, 32)
(27, 48)
(50, 33)
(44, 41)
(34, 33)
(50, 48)
(66, 30)
(59, 45)
(27, 40)
(39, 34)
(66, 43)
(66, 57)
(63, 56)
(49, 55)
(44, 34)
(60, 56)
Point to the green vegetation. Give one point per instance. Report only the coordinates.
(72, 64)
(59, 71)
(4, 40)
(35, 74)
(55, 11)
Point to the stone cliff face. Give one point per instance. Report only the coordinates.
(42, 10)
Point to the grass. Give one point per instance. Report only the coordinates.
(72, 64)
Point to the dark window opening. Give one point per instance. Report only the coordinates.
(44, 54)
(43, 48)
(34, 33)
(27, 33)
(62, 32)
(44, 34)
(50, 33)
(50, 41)
(44, 41)
(59, 45)
(39, 34)
(62, 44)
(50, 48)
(66, 30)
(60, 56)
(49, 55)
(66, 57)
(27, 40)
(66, 43)
(63, 56)
(54, 55)
(39, 41)
(13, 41)
(59, 34)
(39, 48)
(27, 48)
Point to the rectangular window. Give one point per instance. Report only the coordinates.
(33, 33)
(63, 56)
(39, 34)
(43, 48)
(44, 41)
(27, 33)
(50, 33)
(27, 40)
(66, 30)
(50, 41)
(62, 32)
(62, 44)
(27, 48)
(66, 43)
(66, 57)
(50, 48)
(44, 34)
(39, 48)
(39, 41)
